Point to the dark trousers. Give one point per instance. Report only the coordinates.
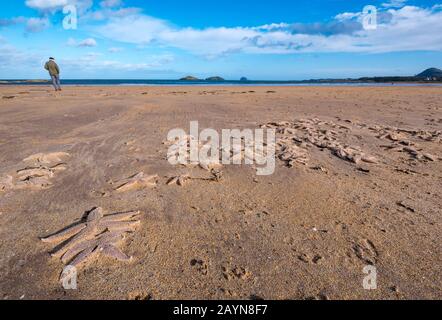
(56, 82)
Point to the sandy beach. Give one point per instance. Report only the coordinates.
(357, 183)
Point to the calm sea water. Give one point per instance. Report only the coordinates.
(213, 83)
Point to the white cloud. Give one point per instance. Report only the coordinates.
(46, 4)
(31, 63)
(55, 5)
(37, 24)
(11, 57)
(6, 22)
(111, 3)
(406, 29)
(90, 42)
(92, 63)
(32, 24)
(348, 16)
(272, 26)
(400, 28)
(394, 4)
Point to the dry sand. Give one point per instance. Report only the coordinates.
(305, 232)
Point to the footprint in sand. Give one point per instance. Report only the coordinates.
(140, 296)
(406, 205)
(316, 259)
(239, 273)
(319, 297)
(5, 183)
(366, 251)
(200, 266)
(137, 182)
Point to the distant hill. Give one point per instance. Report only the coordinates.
(430, 73)
(189, 78)
(215, 79)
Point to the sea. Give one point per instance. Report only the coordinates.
(125, 82)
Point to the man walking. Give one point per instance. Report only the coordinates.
(54, 71)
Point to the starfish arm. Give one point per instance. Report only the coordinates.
(172, 181)
(120, 216)
(138, 176)
(83, 256)
(35, 173)
(128, 186)
(95, 215)
(119, 225)
(183, 180)
(113, 252)
(138, 182)
(110, 238)
(151, 179)
(74, 251)
(65, 234)
(149, 183)
(84, 235)
(59, 167)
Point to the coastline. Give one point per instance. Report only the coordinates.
(168, 83)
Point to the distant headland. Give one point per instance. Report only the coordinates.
(429, 75)
(192, 78)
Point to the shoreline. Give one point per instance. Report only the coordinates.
(232, 85)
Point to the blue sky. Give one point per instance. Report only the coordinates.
(168, 39)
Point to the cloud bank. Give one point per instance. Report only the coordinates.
(403, 28)
(400, 28)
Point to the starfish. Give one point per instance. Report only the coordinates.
(210, 165)
(179, 180)
(217, 175)
(37, 177)
(138, 181)
(99, 234)
(47, 158)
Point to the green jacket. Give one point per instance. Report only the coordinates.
(52, 67)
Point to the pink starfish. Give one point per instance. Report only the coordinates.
(99, 234)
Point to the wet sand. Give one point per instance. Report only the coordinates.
(357, 183)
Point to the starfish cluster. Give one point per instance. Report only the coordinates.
(41, 168)
(294, 139)
(99, 234)
(185, 143)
